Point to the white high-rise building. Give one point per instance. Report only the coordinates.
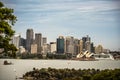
(99, 49)
(88, 46)
(16, 40)
(69, 44)
(53, 47)
(81, 45)
(33, 48)
(45, 49)
(71, 49)
(76, 46)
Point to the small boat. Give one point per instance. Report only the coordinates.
(7, 63)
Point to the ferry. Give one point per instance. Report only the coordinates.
(103, 56)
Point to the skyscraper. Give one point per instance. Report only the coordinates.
(53, 47)
(29, 39)
(84, 39)
(99, 49)
(16, 41)
(60, 44)
(45, 49)
(69, 44)
(88, 46)
(38, 41)
(76, 46)
(86, 43)
(81, 45)
(23, 42)
(44, 40)
(33, 48)
(92, 48)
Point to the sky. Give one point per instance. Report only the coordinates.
(100, 19)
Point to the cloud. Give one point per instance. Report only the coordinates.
(99, 6)
(62, 5)
(65, 10)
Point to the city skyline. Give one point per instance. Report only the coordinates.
(98, 19)
(63, 45)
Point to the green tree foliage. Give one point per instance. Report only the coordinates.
(7, 20)
(56, 56)
(73, 74)
(30, 56)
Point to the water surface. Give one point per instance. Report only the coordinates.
(21, 66)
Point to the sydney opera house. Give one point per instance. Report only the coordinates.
(85, 56)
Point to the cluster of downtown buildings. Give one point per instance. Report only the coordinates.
(69, 44)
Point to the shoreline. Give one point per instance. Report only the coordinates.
(74, 59)
(71, 74)
(79, 59)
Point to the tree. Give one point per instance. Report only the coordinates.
(7, 20)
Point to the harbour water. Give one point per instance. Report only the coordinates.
(21, 66)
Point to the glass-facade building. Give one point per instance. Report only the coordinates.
(60, 45)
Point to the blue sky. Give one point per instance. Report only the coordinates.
(100, 19)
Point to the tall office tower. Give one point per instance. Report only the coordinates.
(86, 43)
(44, 40)
(60, 45)
(81, 45)
(38, 41)
(22, 42)
(53, 47)
(84, 39)
(45, 49)
(99, 49)
(88, 38)
(29, 39)
(33, 48)
(69, 44)
(92, 48)
(16, 41)
(88, 46)
(76, 46)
